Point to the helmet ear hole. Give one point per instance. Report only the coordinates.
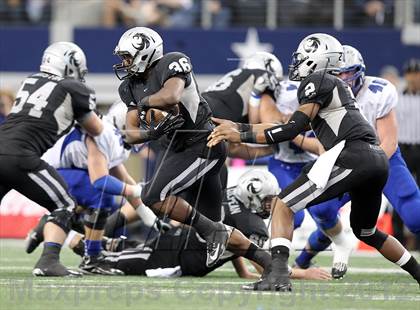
(144, 57)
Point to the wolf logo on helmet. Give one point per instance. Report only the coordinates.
(311, 45)
(140, 41)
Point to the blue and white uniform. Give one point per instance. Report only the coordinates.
(69, 157)
(376, 98)
(288, 161)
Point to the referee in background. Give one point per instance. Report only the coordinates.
(408, 114)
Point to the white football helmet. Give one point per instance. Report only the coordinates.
(255, 190)
(265, 61)
(354, 63)
(116, 115)
(64, 59)
(138, 48)
(316, 52)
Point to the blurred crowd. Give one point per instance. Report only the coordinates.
(223, 13)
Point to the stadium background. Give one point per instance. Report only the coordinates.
(215, 34)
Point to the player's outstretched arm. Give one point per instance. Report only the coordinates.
(310, 274)
(264, 133)
(99, 174)
(168, 96)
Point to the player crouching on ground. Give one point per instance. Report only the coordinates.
(353, 163)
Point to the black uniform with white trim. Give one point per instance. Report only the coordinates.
(45, 109)
(228, 97)
(187, 159)
(182, 246)
(361, 168)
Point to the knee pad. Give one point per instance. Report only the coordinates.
(96, 218)
(373, 237)
(61, 218)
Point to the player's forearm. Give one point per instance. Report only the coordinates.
(309, 144)
(297, 124)
(245, 151)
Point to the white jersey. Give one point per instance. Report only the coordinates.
(70, 151)
(376, 98)
(287, 103)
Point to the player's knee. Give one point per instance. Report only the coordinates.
(61, 218)
(373, 237)
(96, 218)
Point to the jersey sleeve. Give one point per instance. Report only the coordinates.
(388, 101)
(126, 95)
(83, 99)
(175, 65)
(317, 88)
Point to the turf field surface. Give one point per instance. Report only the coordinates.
(371, 283)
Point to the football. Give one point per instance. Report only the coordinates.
(157, 115)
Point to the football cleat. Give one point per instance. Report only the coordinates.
(98, 265)
(53, 268)
(217, 242)
(338, 270)
(275, 278)
(36, 235)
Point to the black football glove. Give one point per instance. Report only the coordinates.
(168, 124)
(162, 226)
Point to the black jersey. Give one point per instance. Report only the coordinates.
(240, 217)
(338, 117)
(183, 246)
(228, 97)
(193, 107)
(45, 109)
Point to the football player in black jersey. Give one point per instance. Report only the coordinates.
(353, 163)
(46, 106)
(245, 207)
(248, 94)
(156, 80)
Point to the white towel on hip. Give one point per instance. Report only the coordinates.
(321, 170)
(164, 272)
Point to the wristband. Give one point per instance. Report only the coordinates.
(244, 127)
(248, 136)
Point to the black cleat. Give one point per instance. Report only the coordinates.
(217, 242)
(275, 278)
(338, 270)
(270, 284)
(98, 265)
(36, 235)
(52, 268)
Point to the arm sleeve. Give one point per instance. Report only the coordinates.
(126, 96)
(297, 124)
(176, 65)
(317, 88)
(83, 99)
